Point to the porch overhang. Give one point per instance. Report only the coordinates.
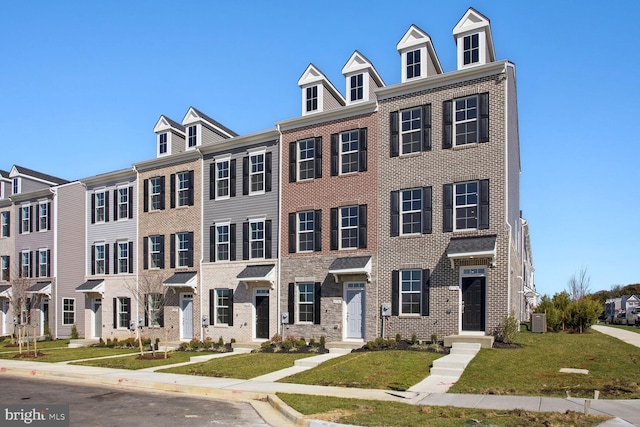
(5, 291)
(43, 288)
(258, 273)
(351, 265)
(92, 286)
(188, 279)
(472, 247)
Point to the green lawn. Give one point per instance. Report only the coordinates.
(392, 414)
(41, 344)
(135, 363)
(393, 370)
(534, 368)
(241, 366)
(627, 328)
(66, 354)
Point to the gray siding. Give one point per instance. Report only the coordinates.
(28, 185)
(513, 158)
(330, 102)
(210, 136)
(178, 143)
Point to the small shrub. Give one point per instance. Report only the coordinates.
(323, 340)
(509, 329)
(220, 342)
(74, 332)
(434, 338)
(109, 342)
(398, 337)
(233, 341)
(276, 339)
(414, 338)
(101, 342)
(312, 342)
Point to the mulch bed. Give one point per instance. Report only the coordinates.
(500, 344)
(299, 350)
(150, 356)
(27, 355)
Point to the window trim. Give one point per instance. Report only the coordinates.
(218, 179)
(43, 220)
(471, 49)
(43, 268)
(68, 308)
(97, 260)
(182, 249)
(218, 307)
(262, 173)
(155, 204)
(25, 221)
(218, 243)
(16, 185)
(412, 291)
(120, 259)
(164, 143)
(311, 172)
(193, 136)
(404, 212)
(300, 232)
(122, 310)
(153, 252)
(342, 229)
(25, 255)
(183, 187)
(473, 206)
(312, 99)
(5, 224)
(466, 121)
(123, 205)
(309, 292)
(358, 89)
(5, 270)
(253, 240)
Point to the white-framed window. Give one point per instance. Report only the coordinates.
(410, 292)
(26, 218)
(155, 193)
(222, 242)
(256, 239)
(411, 130)
(155, 253)
(466, 205)
(182, 188)
(222, 178)
(192, 136)
(413, 64)
(1, 190)
(306, 296)
(43, 216)
(163, 143)
(4, 268)
(466, 120)
(182, 243)
(122, 312)
(68, 311)
(411, 211)
(306, 221)
(43, 263)
(4, 224)
(471, 49)
(222, 306)
(123, 257)
(123, 202)
(349, 227)
(100, 206)
(25, 257)
(100, 258)
(356, 87)
(154, 309)
(349, 146)
(256, 173)
(306, 159)
(15, 185)
(311, 98)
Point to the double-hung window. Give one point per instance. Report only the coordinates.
(123, 257)
(43, 216)
(123, 202)
(155, 193)
(68, 311)
(26, 218)
(43, 263)
(410, 131)
(413, 64)
(100, 207)
(222, 306)
(257, 239)
(123, 312)
(4, 268)
(410, 291)
(356, 87)
(306, 228)
(349, 227)
(411, 211)
(154, 305)
(155, 252)
(15, 186)
(256, 173)
(306, 159)
(192, 138)
(466, 120)
(349, 151)
(100, 259)
(5, 224)
(222, 244)
(183, 186)
(471, 49)
(182, 244)
(25, 261)
(162, 143)
(466, 205)
(222, 178)
(311, 99)
(306, 296)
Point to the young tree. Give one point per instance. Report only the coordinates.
(579, 285)
(151, 295)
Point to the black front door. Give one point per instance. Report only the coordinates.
(473, 303)
(262, 316)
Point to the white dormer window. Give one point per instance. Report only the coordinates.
(1, 190)
(413, 64)
(16, 184)
(192, 136)
(163, 143)
(473, 40)
(312, 99)
(356, 87)
(471, 49)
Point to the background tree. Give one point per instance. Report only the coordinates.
(579, 285)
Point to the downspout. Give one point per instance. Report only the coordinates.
(279, 276)
(137, 245)
(199, 284)
(506, 175)
(54, 191)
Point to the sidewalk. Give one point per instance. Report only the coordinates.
(263, 388)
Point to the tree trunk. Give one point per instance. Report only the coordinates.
(35, 345)
(20, 340)
(166, 341)
(140, 342)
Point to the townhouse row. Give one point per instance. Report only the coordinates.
(392, 210)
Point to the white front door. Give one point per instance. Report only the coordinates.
(186, 316)
(6, 322)
(97, 317)
(355, 313)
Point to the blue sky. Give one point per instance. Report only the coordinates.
(83, 83)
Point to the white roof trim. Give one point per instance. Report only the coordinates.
(470, 255)
(46, 291)
(6, 293)
(366, 270)
(358, 63)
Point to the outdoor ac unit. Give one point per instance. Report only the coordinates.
(539, 322)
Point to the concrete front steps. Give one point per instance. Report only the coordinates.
(447, 370)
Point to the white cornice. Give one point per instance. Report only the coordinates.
(109, 176)
(22, 197)
(167, 160)
(326, 116)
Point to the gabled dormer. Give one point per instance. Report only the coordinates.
(25, 180)
(419, 59)
(318, 94)
(473, 40)
(361, 79)
(4, 184)
(169, 137)
(201, 129)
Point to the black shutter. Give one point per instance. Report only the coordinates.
(394, 126)
(363, 150)
(267, 173)
(130, 200)
(31, 218)
(145, 253)
(212, 180)
(447, 124)
(318, 157)
(245, 175)
(93, 259)
(8, 214)
(291, 302)
(232, 178)
(106, 206)
(245, 240)
(146, 309)
(483, 122)
(37, 269)
(115, 313)
(267, 238)
(191, 187)
(130, 256)
(190, 250)
(395, 293)
(161, 251)
(335, 154)
(483, 212)
(128, 303)
(362, 227)
(426, 127)
(145, 191)
(172, 251)
(20, 219)
(232, 242)
(212, 243)
(172, 195)
(230, 321)
(48, 262)
(333, 244)
(292, 233)
(212, 306)
(20, 265)
(425, 292)
(106, 259)
(116, 265)
(49, 215)
(447, 211)
(38, 217)
(31, 263)
(115, 205)
(317, 230)
(427, 218)
(93, 211)
(395, 213)
(162, 197)
(293, 161)
(317, 300)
